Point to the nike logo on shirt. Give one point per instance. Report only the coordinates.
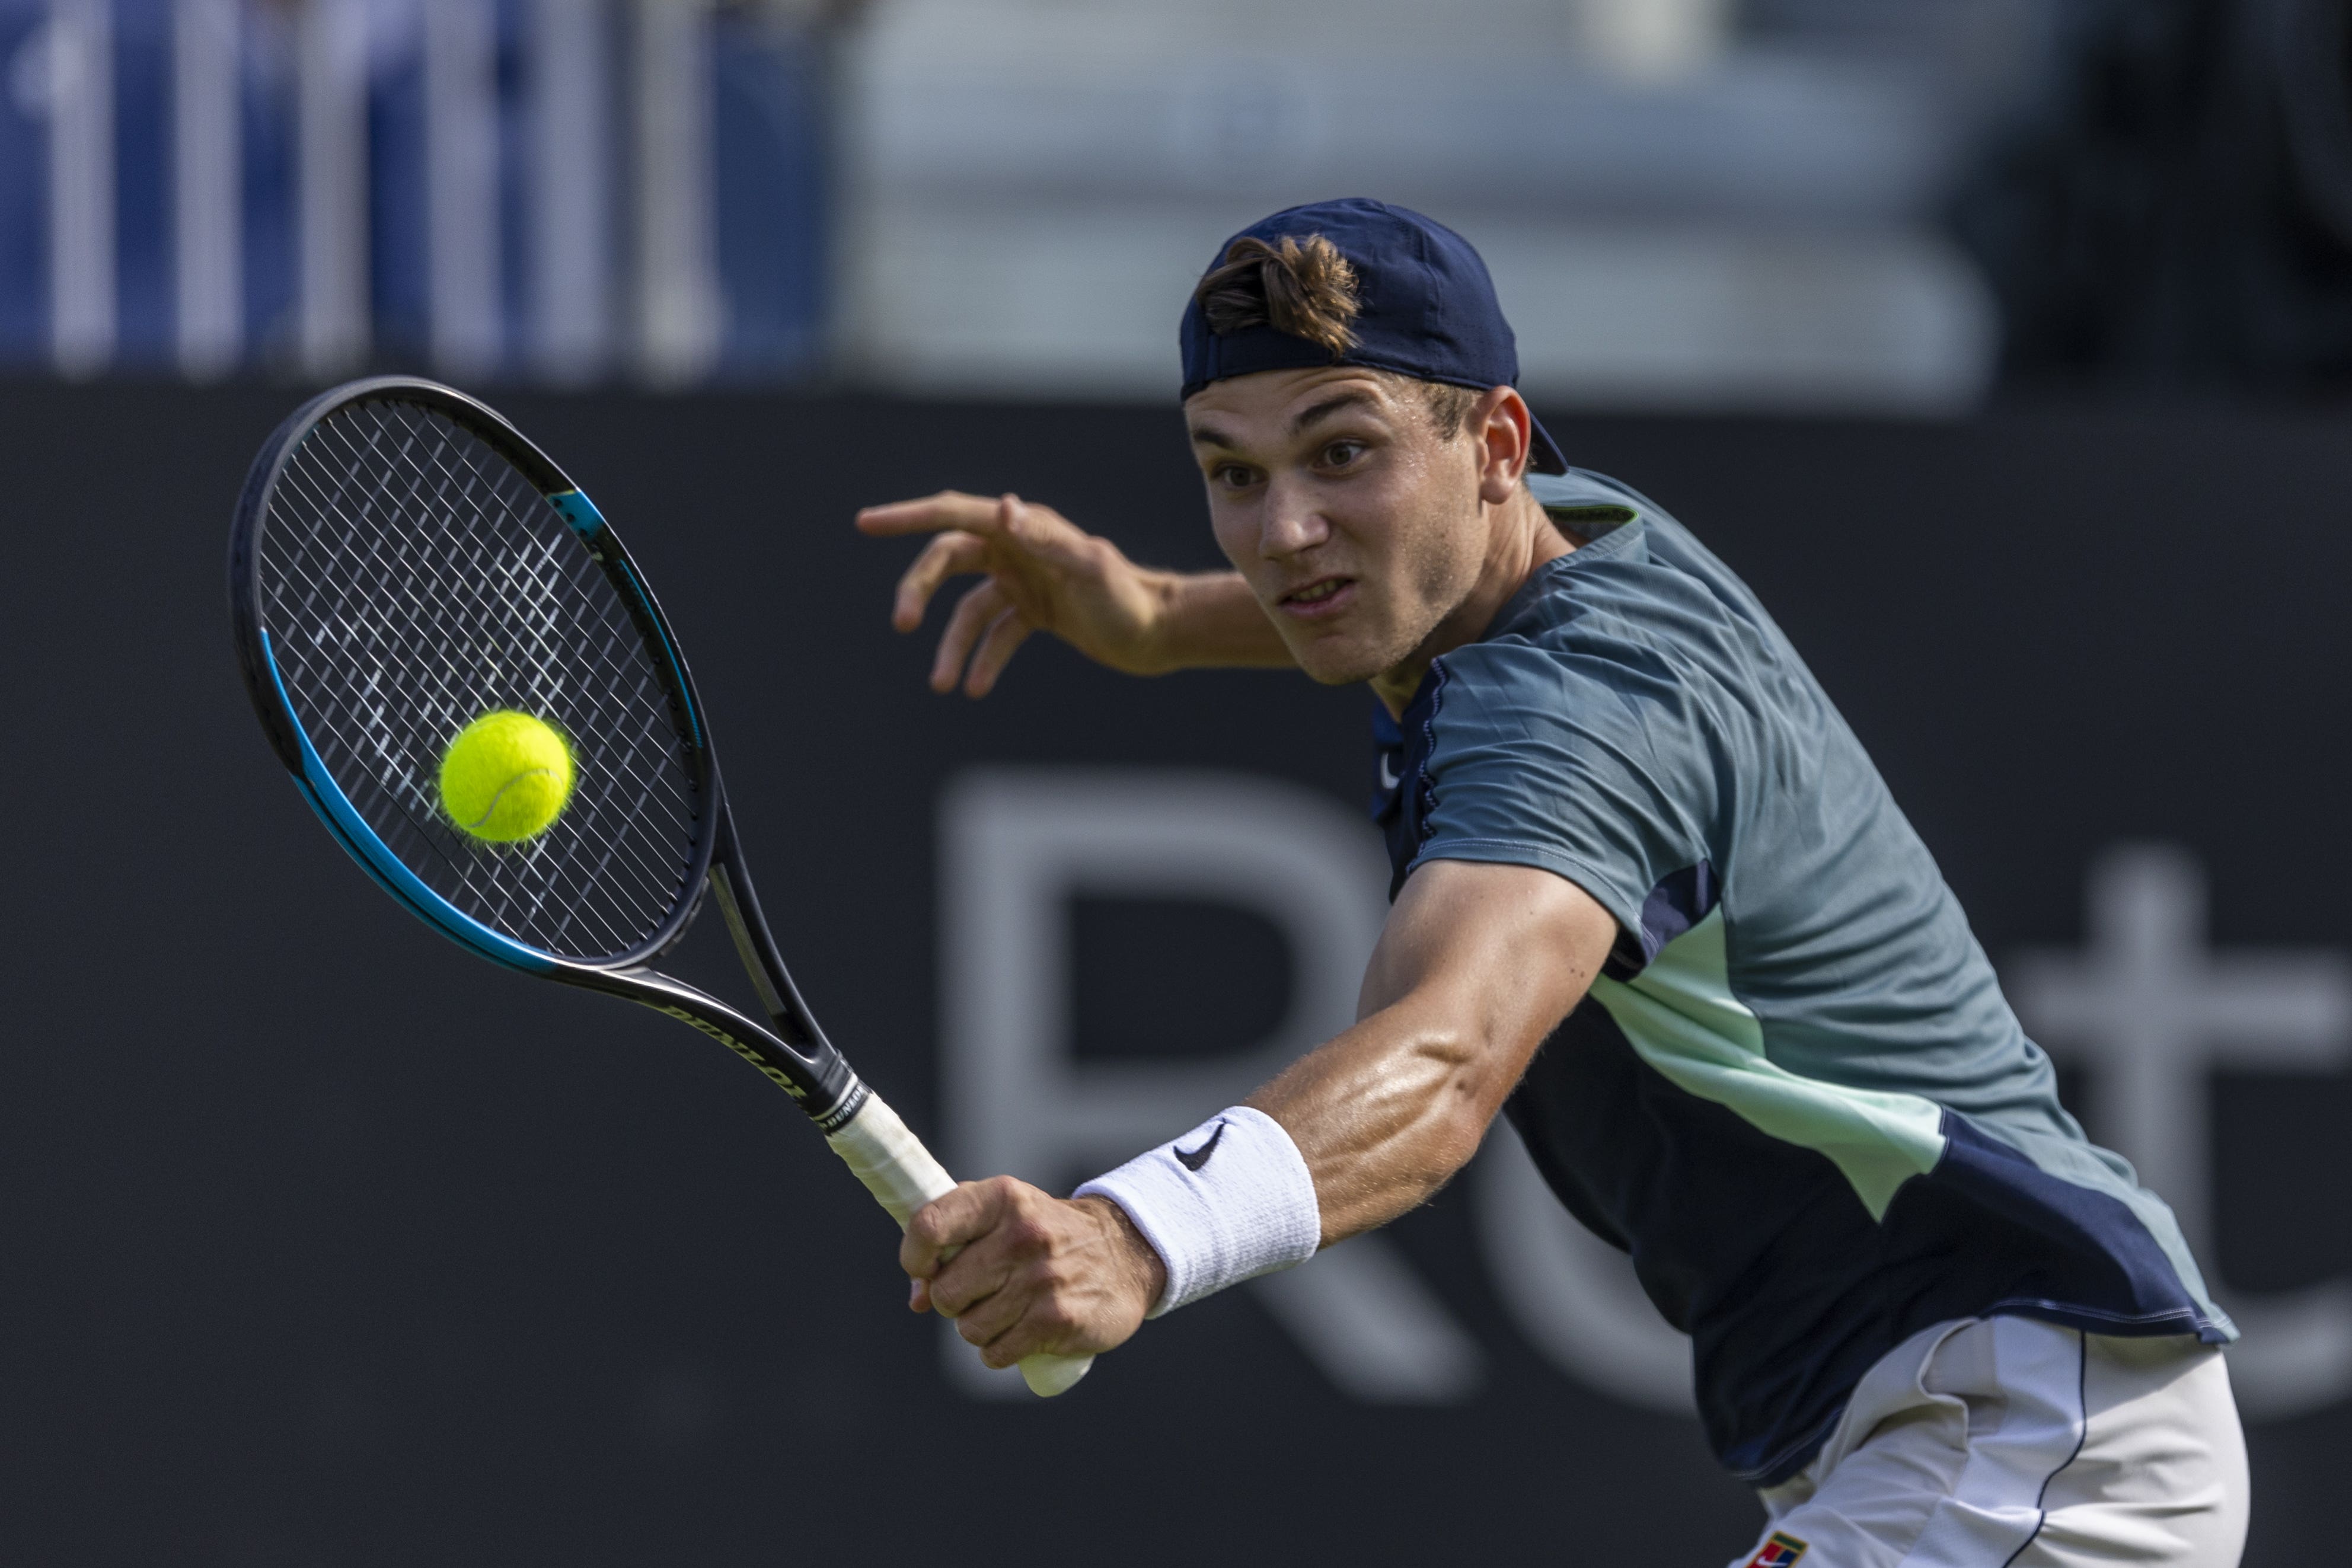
(1193, 1159)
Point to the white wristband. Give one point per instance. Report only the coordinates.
(1229, 1200)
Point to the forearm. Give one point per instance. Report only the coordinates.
(1210, 619)
(1477, 966)
(1385, 1114)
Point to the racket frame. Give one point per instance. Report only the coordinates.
(791, 1050)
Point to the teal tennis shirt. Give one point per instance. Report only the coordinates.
(1796, 1095)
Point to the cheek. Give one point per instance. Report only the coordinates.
(1424, 565)
(1420, 547)
(1236, 533)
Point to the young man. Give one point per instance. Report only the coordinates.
(1653, 901)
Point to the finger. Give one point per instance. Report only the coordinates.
(1034, 530)
(990, 1319)
(931, 515)
(1020, 1340)
(919, 1296)
(974, 614)
(944, 557)
(972, 1276)
(1041, 533)
(935, 1230)
(1005, 633)
(1016, 1323)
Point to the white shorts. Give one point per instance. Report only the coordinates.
(1992, 1442)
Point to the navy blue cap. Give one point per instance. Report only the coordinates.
(1427, 309)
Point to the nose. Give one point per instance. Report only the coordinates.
(1292, 522)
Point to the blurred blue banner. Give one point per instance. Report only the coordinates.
(562, 191)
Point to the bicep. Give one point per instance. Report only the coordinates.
(1511, 949)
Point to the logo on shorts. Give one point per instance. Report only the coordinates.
(1779, 1551)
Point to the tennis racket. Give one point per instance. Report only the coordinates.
(405, 561)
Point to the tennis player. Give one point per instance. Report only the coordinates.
(1652, 902)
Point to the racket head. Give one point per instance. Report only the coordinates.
(403, 560)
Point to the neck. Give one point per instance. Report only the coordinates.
(1521, 537)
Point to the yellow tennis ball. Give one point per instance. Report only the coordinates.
(506, 777)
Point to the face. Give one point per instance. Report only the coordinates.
(1357, 526)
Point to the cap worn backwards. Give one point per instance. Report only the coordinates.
(1425, 309)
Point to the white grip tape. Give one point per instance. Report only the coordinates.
(883, 1153)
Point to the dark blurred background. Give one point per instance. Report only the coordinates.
(2002, 345)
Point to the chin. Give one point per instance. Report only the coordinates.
(1340, 666)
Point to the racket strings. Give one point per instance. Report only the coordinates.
(533, 633)
(547, 630)
(412, 580)
(379, 747)
(537, 590)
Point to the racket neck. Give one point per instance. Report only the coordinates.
(756, 946)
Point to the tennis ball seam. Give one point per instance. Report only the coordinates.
(476, 759)
(491, 810)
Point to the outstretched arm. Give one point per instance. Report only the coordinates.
(1476, 966)
(1046, 574)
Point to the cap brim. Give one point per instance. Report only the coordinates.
(1544, 456)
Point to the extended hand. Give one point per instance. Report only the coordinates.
(1021, 1271)
(1044, 574)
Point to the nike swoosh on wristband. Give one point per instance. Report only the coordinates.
(1388, 774)
(1193, 1159)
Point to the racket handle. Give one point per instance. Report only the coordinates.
(883, 1153)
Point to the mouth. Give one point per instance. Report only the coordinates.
(1324, 596)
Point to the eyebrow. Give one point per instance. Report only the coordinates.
(1211, 435)
(1353, 398)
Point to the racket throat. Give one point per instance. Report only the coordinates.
(819, 1081)
(756, 946)
(747, 947)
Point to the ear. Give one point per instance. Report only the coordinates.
(1505, 430)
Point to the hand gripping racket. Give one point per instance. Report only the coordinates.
(403, 561)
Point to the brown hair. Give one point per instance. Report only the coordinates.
(1449, 406)
(1307, 290)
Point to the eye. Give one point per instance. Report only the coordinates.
(1339, 454)
(1234, 476)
